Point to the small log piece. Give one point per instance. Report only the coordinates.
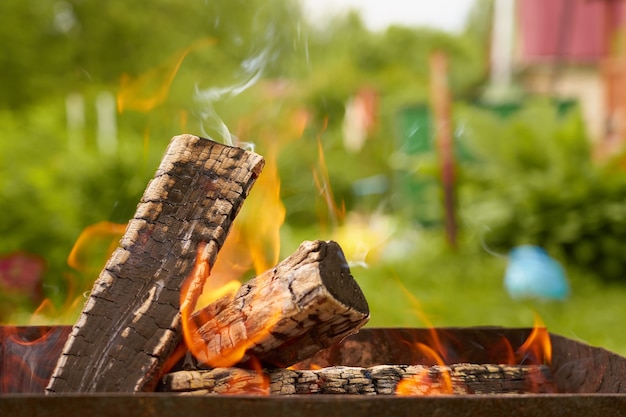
(130, 325)
(458, 379)
(306, 303)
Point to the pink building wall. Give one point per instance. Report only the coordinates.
(577, 31)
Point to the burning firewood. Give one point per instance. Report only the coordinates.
(306, 303)
(456, 379)
(130, 325)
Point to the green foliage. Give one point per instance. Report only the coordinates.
(534, 182)
(71, 45)
(345, 57)
(51, 188)
(50, 193)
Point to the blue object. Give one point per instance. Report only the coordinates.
(532, 273)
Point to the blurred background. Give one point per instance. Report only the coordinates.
(428, 142)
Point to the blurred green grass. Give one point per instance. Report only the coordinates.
(465, 288)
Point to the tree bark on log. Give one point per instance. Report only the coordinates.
(306, 303)
(458, 379)
(130, 325)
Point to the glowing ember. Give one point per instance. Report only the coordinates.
(425, 384)
(244, 381)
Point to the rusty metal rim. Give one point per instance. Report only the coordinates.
(153, 404)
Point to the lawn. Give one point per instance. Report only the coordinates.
(417, 281)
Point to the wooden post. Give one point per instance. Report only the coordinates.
(130, 324)
(440, 103)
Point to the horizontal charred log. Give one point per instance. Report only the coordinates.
(459, 379)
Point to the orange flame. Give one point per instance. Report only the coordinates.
(47, 312)
(87, 257)
(435, 341)
(243, 381)
(152, 88)
(301, 119)
(253, 244)
(228, 355)
(254, 239)
(189, 294)
(424, 383)
(336, 213)
(261, 385)
(28, 355)
(433, 354)
(104, 237)
(537, 349)
(502, 352)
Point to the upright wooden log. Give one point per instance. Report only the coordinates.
(130, 324)
(306, 303)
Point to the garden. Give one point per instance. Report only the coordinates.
(93, 92)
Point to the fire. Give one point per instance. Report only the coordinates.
(152, 88)
(242, 381)
(435, 353)
(258, 384)
(254, 240)
(426, 383)
(200, 349)
(435, 341)
(252, 245)
(537, 349)
(101, 237)
(502, 352)
(28, 355)
(336, 213)
(87, 257)
(189, 295)
(423, 383)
